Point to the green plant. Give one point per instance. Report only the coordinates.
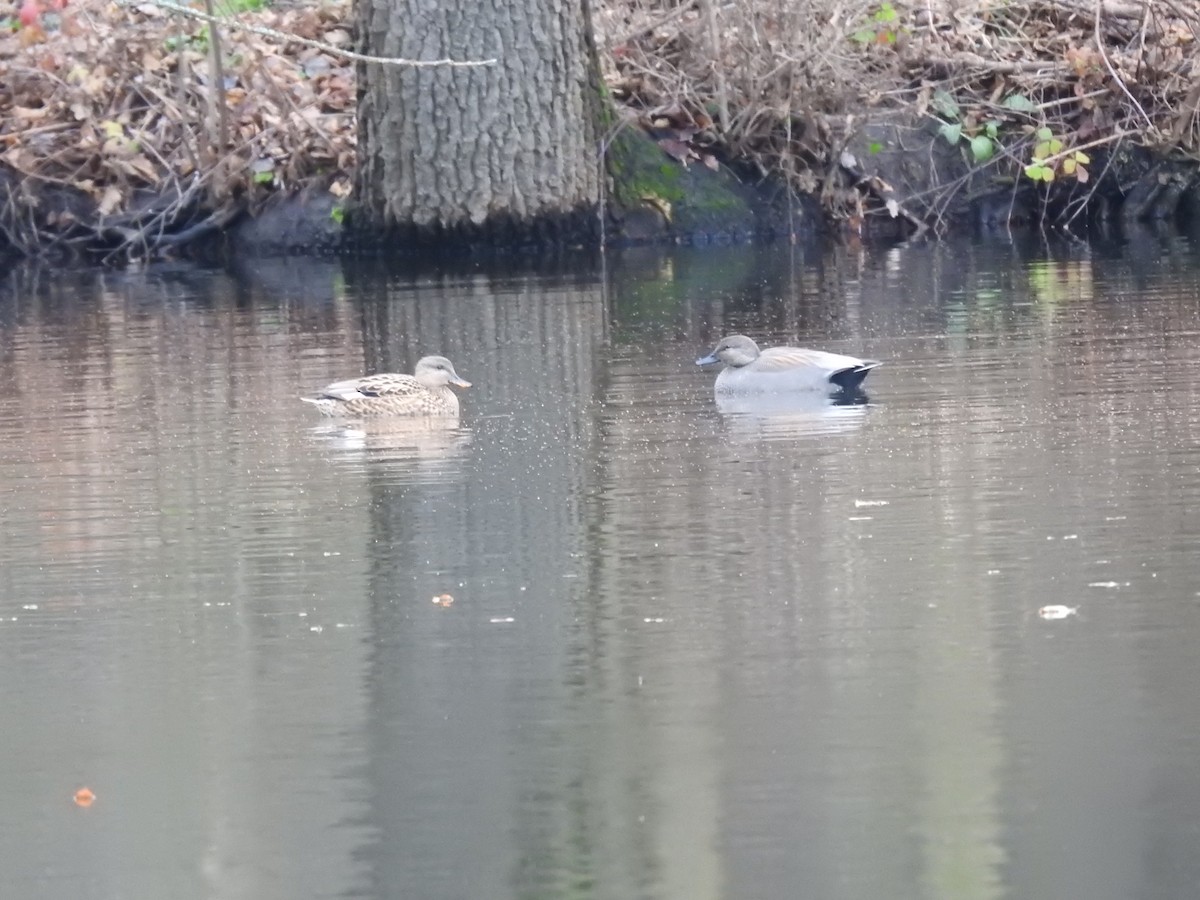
(981, 139)
(1049, 158)
(880, 28)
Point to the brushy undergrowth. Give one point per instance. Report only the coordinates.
(170, 124)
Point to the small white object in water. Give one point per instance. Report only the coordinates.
(872, 502)
(1057, 611)
(317, 628)
(29, 606)
(1106, 584)
(656, 619)
(501, 620)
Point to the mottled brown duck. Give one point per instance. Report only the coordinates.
(424, 393)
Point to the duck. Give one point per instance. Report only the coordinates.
(426, 392)
(749, 370)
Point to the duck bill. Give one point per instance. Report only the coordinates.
(460, 382)
(707, 360)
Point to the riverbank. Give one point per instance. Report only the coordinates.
(115, 140)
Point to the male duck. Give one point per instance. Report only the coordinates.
(749, 370)
(424, 393)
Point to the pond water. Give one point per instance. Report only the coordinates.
(692, 652)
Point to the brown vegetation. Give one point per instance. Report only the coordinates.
(115, 130)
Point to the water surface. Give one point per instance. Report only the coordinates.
(693, 650)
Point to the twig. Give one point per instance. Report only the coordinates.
(216, 93)
(1187, 112)
(319, 45)
(1113, 72)
(646, 30)
(1088, 146)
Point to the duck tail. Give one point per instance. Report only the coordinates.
(851, 377)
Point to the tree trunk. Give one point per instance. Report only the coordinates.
(493, 155)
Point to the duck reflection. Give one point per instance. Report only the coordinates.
(428, 449)
(777, 416)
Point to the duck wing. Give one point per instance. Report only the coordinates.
(791, 359)
(385, 384)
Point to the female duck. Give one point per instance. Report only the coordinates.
(749, 370)
(424, 393)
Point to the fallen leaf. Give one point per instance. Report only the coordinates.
(110, 201)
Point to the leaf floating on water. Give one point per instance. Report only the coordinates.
(1057, 611)
(84, 797)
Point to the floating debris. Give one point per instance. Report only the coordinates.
(1056, 611)
(84, 797)
(658, 620)
(1107, 584)
(501, 620)
(316, 629)
(29, 606)
(443, 600)
(872, 503)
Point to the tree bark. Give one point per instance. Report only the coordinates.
(495, 155)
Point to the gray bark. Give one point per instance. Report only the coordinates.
(509, 149)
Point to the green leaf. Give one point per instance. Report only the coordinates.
(1082, 158)
(875, 147)
(337, 214)
(1019, 103)
(982, 148)
(992, 128)
(863, 37)
(886, 13)
(951, 131)
(1044, 133)
(945, 104)
(264, 177)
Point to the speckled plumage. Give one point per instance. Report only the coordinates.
(424, 393)
(750, 370)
